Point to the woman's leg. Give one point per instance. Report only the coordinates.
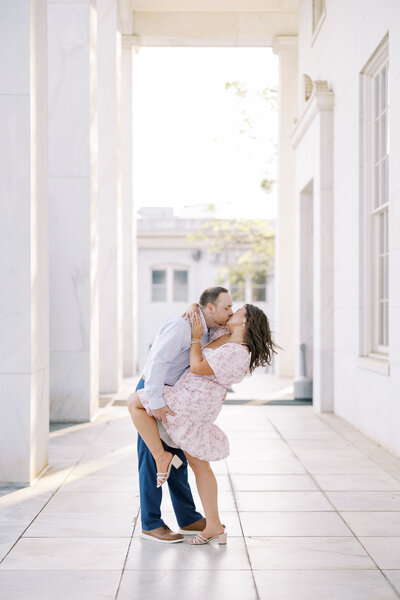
(208, 491)
(148, 431)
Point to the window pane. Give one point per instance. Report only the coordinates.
(386, 325)
(159, 285)
(376, 186)
(383, 130)
(384, 179)
(180, 286)
(376, 141)
(386, 277)
(180, 277)
(381, 323)
(386, 230)
(376, 96)
(383, 91)
(159, 294)
(159, 277)
(381, 275)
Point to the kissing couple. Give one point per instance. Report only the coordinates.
(190, 366)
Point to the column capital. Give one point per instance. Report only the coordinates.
(284, 41)
(321, 100)
(129, 41)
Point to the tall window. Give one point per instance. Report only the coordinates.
(318, 14)
(380, 208)
(259, 287)
(180, 287)
(375, 201)
(159, 285)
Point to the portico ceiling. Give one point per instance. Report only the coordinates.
(208, 22)
(242, 6)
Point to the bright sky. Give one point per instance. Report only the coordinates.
(188, 149)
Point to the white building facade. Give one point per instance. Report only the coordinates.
(347, 210)
(173, 272)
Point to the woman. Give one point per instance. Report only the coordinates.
(196, 399)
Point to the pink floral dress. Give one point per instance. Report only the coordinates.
(197, 400)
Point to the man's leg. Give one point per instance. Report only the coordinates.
(151, 496)
(181, 494)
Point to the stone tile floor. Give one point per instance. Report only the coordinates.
(312, 509)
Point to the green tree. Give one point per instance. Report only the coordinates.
(270, 96)
(244, 247)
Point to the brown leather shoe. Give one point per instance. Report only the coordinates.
(162, 534)
(195, 527)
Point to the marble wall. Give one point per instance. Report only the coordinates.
(363, 393)
(73, 210)
(24, 300)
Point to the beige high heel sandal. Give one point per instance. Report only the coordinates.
(199, 539)
(163, 477)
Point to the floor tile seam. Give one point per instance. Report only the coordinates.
(360, 447)
(52, 494)
(241, 529)
(335, 509)
(319, 510)
(313, 490)
(127, 554)
(80, 537)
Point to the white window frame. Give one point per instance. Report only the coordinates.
(169, 268)
(373, 354)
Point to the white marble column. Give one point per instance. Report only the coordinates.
(129, 221)
(24, 268)
(110, 202)
(73, 210)
(286, 49)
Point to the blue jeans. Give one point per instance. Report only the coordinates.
(151, 496)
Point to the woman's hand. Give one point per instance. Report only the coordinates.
(196, 326)
(188, 314)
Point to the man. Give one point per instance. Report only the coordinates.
(167, 360)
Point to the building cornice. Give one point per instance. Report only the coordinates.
(321, 99)
(284, 41)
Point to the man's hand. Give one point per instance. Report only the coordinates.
(161, 413)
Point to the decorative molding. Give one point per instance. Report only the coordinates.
(375, 364)
(308, 86)
(321, 99)
(321, 85)
(284, 41)
(130, 41)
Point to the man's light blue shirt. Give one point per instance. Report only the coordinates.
(169, 357)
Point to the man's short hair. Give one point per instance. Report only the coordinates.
(211, 295)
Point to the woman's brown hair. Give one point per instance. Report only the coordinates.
(258, 337)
